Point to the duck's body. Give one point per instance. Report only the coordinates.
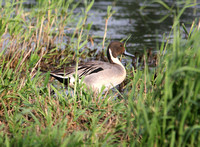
(97, 73)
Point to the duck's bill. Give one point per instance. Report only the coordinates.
(128, 54)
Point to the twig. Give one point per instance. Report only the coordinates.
(109, 14)
(145, 80)
(105, 32)
(32, 75)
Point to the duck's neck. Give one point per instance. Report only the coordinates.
(113, 59)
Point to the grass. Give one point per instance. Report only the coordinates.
(158, 107)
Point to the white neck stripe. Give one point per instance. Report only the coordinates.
(114, 60)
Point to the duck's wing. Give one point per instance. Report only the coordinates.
(66, 75)
(90, 68)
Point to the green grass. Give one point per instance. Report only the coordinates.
(159, 107)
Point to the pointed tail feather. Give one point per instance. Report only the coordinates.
(61, 79)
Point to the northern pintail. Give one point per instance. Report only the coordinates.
(97, 73)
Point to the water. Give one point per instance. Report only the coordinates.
(143, 25)
(146, 26)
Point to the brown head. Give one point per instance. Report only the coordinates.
(115, 49)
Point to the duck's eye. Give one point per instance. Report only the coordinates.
(121, 45)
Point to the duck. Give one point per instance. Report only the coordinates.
(97, 74)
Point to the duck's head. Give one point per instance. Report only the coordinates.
(115, 49)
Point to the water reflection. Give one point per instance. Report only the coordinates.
(146, 27)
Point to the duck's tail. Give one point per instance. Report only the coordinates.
(60, 78)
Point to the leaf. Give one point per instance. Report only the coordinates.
(90, 6)
(84, 43)
(46, 80)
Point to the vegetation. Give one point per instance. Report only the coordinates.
(158, 107)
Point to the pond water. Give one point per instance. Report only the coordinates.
(146, 26)
(143, 25)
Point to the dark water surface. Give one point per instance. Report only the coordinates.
(143, 25)
(146, 26)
